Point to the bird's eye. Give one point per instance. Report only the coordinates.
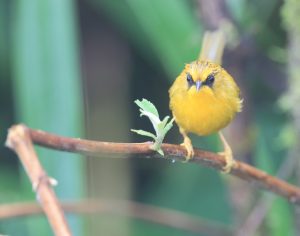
(189, 79)
(210, 80)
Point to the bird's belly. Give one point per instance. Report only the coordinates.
(203, 118)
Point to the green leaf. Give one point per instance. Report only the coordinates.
(161, 127)
(144, 133)
(47, 92)
(169, 126)
(164, 121)
(151, 28)
(280, 218)
(154, 119)
(267, 157)
(147, 106)
(160, 151)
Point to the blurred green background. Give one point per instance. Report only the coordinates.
(74, 68)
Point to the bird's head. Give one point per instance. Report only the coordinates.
(207, 78)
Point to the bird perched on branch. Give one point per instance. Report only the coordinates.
(204, 98)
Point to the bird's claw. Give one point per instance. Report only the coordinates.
(227, 153)
(229, 161)
(189, 149)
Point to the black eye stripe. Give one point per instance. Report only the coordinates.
(189, 79)
(210, 80)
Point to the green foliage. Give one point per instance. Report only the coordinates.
(166, 32)
(290, 15)
(267, 157)
(161, 127)
(280, 218)
(47, 91)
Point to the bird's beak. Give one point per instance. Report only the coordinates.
(198, 85)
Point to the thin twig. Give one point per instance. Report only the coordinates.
(172, 152)
(154, 214)
(18, 139)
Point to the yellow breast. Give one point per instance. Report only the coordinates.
(209, 108)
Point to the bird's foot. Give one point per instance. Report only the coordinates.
(227, 153)
(189, 149)
(229, 161)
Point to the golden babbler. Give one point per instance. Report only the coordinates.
(204, 99)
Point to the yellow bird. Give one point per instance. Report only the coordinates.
(204, 99)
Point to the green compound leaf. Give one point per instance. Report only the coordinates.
(161, 127)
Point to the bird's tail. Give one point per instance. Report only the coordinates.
(213, 46)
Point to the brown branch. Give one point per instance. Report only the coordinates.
(172, 152)
(19, 140)
(157, 215)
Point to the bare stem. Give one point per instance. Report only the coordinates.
(172, 152)
(19, 140)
